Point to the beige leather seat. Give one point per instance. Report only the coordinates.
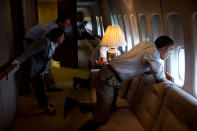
(152, 106)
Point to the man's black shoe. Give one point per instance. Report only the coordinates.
(75, 82)
(69, 105)
(55, 90)
(84, 83)
(50, 110)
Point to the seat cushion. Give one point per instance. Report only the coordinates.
(122, 120)
(178, 112)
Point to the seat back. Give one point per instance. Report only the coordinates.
(161, 106)
(178, 112)
(132, 88)
(146, 99)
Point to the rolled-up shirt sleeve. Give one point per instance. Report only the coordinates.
(153, 60)
(47, 66)
(103, 51)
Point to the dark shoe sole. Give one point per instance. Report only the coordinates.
(55, 90)
(69, 105)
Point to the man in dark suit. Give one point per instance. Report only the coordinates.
(40, 53)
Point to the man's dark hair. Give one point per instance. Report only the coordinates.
(61, 19)
(54, 34)
(163, 41)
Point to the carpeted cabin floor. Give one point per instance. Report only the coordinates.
(32, 118)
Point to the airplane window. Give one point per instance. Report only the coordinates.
(194, 20)
(112, 20)
(181, 63)
(115, 20)
(134, 30)
(128, 32)
(143, 28)
(176, 62)
(156, 26)
(120, 21)
(89, 25)
(98, 25)
(102, 27)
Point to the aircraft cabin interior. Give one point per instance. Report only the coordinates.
(141, 102)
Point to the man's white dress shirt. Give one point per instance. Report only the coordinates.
(99, 51)
(144, 57)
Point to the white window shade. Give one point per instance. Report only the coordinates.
(128, 32)
(156, 26)
(143, 28)
(134, 30)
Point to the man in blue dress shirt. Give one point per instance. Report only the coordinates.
(39, 31)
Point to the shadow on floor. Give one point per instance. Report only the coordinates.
(32, 118)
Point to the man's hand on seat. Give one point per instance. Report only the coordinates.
(169, 77)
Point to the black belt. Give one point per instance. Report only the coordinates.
(114, 72)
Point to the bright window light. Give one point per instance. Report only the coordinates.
(102, 26)
(98, 26)
(128, 32)
(134, 30)
(112, 20)
(181, 59)
(89, 25)
(194, 27)
(178, 68)
(115, 20)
